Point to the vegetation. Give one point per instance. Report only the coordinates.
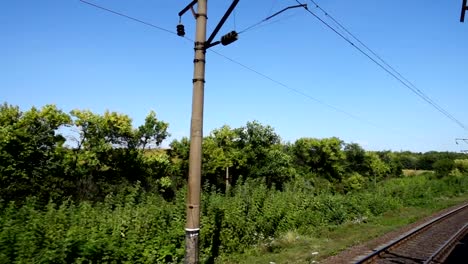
(89, 188)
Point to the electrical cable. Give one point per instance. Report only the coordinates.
(270, 17)
(128, 17)
(340, 25)
(415, 91)
(294, 89)
(243, 66)
(273, 3)
(274, 22)
(250, 27)
(264, 24)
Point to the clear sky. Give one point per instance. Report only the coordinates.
(73, 55)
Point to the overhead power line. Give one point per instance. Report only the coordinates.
(382, 64)
(421, 93)
(272, 16)
(128, 17)
(297, 91)
(269, 23)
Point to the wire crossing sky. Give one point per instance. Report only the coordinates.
(65, 52)
(128, 17)
(389, 69)
(384, 65)
(302, 93)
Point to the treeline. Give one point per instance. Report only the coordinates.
(106, 153)
(53, 155)
(82, 187)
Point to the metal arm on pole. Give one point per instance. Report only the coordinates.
(463, 11)
(181, 13)
(226, 39)
(461, 139)
(221, 23)
(192, 226)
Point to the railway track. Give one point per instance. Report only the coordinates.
(429, 243)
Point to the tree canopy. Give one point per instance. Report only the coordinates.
(51, 154)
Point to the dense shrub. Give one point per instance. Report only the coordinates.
(134, 228)
(443, 167)
(461, 165)
(138, 227)
(107, 195)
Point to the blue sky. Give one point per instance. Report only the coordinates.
(67, 53)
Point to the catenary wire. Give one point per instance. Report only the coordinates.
(273, 3)
(340, 25)
(128, 17)
(297, 91)
(264, 23)
(268, 18)
(415, 91)
(274, 21)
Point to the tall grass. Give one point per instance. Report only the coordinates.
(138, 227)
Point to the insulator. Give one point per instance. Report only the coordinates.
(229, 38)
(180, 30)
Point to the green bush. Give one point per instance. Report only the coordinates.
(461, 165)
(136, 227)
(354, 182)
(443, 167)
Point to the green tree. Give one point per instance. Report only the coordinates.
(31, 153)
(278, 167)
(221, 153)
(377, 169)
(109, 151)
(152, 133)
(355, 158)
(408, 160)
(354, 182)
(443, 167)
(322, 156)
(252, 151)
(392, 161)
(179, 153)
(427, 160)
(256, 142)
(461, 165)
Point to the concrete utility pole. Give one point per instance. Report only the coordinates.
(192, 228)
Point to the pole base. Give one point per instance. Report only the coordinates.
(191, 246)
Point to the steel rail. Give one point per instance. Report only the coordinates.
(444, 250)
(374, 255)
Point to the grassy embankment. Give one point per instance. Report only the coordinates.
(292, 247)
